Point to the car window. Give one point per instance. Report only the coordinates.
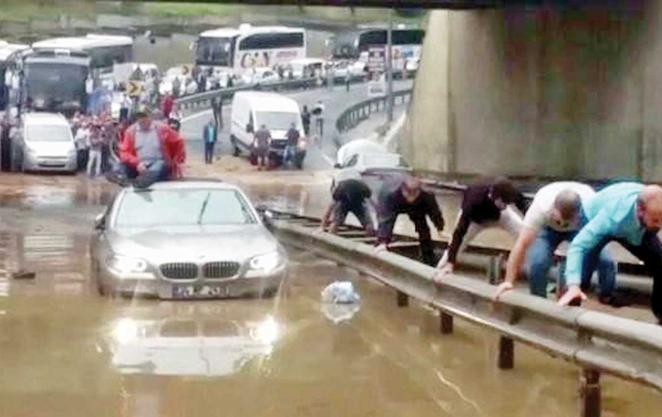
(48, 133)
(352, 161)
(183, 208)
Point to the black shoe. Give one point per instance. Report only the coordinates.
(613, 300)
(118, 179)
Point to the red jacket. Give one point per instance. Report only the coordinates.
(174, 149)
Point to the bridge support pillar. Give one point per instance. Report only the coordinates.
(445, 323)
(506, 353)
(590, 393)
(403, 299)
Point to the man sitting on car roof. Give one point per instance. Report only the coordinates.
(149, 152)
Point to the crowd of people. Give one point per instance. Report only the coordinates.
(629, 213)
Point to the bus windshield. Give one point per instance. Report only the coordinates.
(51, 86)
(214, 51)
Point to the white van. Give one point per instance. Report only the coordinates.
(252, 109)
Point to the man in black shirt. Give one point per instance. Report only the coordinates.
(484, 205)
(410, 199)
(292, 145)
(305, 120)
(349, 196)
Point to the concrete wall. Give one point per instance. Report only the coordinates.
(548, 92)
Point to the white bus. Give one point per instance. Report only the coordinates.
(104, 50)
(406, 44)
(235, 50)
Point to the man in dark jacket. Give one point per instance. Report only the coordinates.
(486, 204)
(409, 198)
(349, 196)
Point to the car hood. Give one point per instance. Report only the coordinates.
(193, 243)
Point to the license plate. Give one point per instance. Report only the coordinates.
(199, 291)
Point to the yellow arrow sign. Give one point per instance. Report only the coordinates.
(134, 88)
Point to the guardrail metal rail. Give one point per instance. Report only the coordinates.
(596, 342)
(359, 112)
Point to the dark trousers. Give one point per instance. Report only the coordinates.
(82, 156)
(650, 253)
(424, 239)
(209, 152)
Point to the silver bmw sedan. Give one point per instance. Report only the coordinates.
(185, 240)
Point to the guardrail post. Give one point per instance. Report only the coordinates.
(445, 323)
(403, 299)
(506, 353)
(494, 269)
(590, 393)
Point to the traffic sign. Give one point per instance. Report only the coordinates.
(134, 88)
(377, 59)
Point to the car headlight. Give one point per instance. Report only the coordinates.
(266, 262)
(127, 265)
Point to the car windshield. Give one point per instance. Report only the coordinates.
(48, 133)
(183, 208)
(385, 160)
(277, 120)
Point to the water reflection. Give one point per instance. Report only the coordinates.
(200, 346)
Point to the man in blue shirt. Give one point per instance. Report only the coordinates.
(210, 135)
(630, 214)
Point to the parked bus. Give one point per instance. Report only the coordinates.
(55, 81)
(103, 50)
(9, 53)
(406, 44)
(235, 50)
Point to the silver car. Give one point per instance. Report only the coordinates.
(43, 142)
(184, 240)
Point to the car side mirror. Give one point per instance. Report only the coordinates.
(100, 222)
(265, 214)
(337, 165)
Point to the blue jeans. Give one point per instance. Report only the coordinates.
(541, 255)
(289, 154)
(158, 170)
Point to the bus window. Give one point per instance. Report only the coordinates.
(214, 51)
(272, 41)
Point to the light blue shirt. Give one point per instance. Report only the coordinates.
(611, 214)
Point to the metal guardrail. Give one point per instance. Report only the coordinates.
(359, 112)
(202, 101)
(596, 342)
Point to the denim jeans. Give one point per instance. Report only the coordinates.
(156, 171)
(541, 255)
(289, 154)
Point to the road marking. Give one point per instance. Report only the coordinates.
(197, 115)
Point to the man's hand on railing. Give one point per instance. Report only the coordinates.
(502, 288)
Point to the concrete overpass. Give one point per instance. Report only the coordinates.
(549, 91)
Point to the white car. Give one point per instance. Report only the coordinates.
(370, 161)
(260, 76)
(44, 142)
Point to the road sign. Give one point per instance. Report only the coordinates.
(377, 59)
(377, 88)
(134, 88)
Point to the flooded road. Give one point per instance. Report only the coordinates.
(66, 351)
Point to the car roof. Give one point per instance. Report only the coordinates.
(49, 119)
(190, 184)
(268, 101)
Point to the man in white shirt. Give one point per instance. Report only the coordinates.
(555, 216)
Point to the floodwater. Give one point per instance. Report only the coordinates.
(66, 351)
